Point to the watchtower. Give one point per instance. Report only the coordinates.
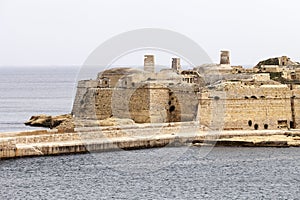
(176, 64)
(149, 65)
(225, 58)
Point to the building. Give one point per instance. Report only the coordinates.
(231, 99)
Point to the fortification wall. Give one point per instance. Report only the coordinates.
(248, 108)
(296, 102)
(185, 102)
(149, 103)
(139, 101)
(84, 103)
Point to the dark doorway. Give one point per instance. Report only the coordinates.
(292, 124)
(266, 126)
(256, 126)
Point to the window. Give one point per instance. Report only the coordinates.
(250, 123)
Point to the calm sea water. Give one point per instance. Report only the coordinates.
(225, 173)
(28, 91)
(167, 173)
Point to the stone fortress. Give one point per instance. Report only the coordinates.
(218, 96)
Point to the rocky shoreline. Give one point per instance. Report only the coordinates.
(136, 136)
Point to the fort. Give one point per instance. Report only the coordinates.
(207, 105)
(264, 97)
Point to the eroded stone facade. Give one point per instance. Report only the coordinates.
(218, 96)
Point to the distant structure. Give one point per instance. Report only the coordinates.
(284, 61)
(218, 96)
(225, 58)
(149, 65)
(176, 64)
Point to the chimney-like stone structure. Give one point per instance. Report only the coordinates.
(225, 58)
(149, 65)
(176, 64)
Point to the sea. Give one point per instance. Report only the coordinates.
(162, 173)
(29, 91)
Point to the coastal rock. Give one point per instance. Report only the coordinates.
(49, 121)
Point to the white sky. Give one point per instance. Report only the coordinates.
(65, 32)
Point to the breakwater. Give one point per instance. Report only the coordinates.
(91, 139)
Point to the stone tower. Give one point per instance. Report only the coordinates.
(149, 65)
(176, 64)
(225, 58)
(283, 61)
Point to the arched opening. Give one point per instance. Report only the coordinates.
(253, 97)
(250, 123)
(256, 126)
(266, 126)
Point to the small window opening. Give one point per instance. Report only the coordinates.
(256, 126)
(250, 123)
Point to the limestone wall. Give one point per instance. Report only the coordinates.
(148, 103)
(296, 102)
(159, 104)
(242, 108)
(84, 103)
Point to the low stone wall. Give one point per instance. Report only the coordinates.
(136, 137)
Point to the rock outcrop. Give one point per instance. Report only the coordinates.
(67, 123)
(47, 121)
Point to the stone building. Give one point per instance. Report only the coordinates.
(255, 104)
(144, 96)
(234, 99)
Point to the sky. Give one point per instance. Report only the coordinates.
(65, 32)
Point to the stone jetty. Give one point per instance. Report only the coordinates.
(138, 136)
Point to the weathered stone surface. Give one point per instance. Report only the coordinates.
(136, 137)
(49, 121)
(278, 61)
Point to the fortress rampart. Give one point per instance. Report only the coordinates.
(251, 107)
(246, 100)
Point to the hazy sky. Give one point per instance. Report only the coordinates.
(65, 32)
